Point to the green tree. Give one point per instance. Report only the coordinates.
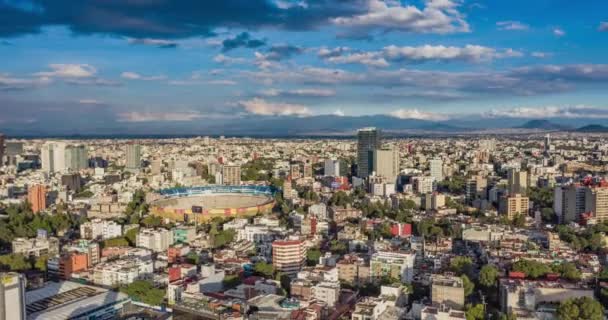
(583, 308)
(144, 291)
(131, 236)
(475, 312)
(115, 242)
(338, 247)
(461, 265)
(222, 238)
(264, 269)
(40, 263)
(488, 275)
(151, 221)
(568, 270)
(312, 256)
(531, 268)
(14, 262)
(468, 285)
(508, 316)
(231, 281)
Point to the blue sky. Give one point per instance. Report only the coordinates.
(122, 62)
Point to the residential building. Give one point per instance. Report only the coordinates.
(527, 295)
(288, 256)
(596, 202)
(133, 157)
(517, 181)
(436, 169)
(448, 290)
(434, 201)
(98, 228)
(231, 175)
(392, 264)
(569, 202)
(36, 247)
(385, 163)
(332, 168)
(36, 196)
(12, 296)
(157, 240)
(76, 158)
(53, 157)
(353, 270)
(514, 205)
(328, 292)
(423, 185)
(475, 188)
(65, 265)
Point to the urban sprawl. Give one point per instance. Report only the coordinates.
(368, 228)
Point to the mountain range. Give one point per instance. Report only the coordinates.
(321, 125)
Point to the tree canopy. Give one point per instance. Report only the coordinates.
(144, 291)
(583, 308)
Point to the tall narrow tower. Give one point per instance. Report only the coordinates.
(368, 139)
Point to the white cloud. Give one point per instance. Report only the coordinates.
(339, 113)
(512, 25)
(93, 82)
(468, 53)
(158, 116)
(579, 111)
(69, 71)
(540, 54)
(7, 82)
(162, 43)
(89, 101)
(439, 16)
(136, 76)
(559, 32)
(223, 59)
(371, 59)
(312, 92)
(603, 26)
(262, 107)
(418, 115)
(222, 82)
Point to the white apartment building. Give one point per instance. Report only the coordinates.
(318, 210)
(423, 184)
(98, 228)
(328, 292)
(123, 271)
(255, 233)
(157, 240)
(394, 264)
(288, 256)
(53, 157)
(332, 168)
(436, 168)
(36, 247)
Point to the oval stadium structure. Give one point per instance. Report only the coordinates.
(208, 202)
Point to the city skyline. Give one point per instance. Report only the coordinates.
(158, 65)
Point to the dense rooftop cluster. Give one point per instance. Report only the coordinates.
(370, 228)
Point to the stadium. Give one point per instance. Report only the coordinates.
(208, 202)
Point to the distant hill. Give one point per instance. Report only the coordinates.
(592, 128)
(543, 125)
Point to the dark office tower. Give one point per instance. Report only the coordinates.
(368, 140)
(1, 149)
